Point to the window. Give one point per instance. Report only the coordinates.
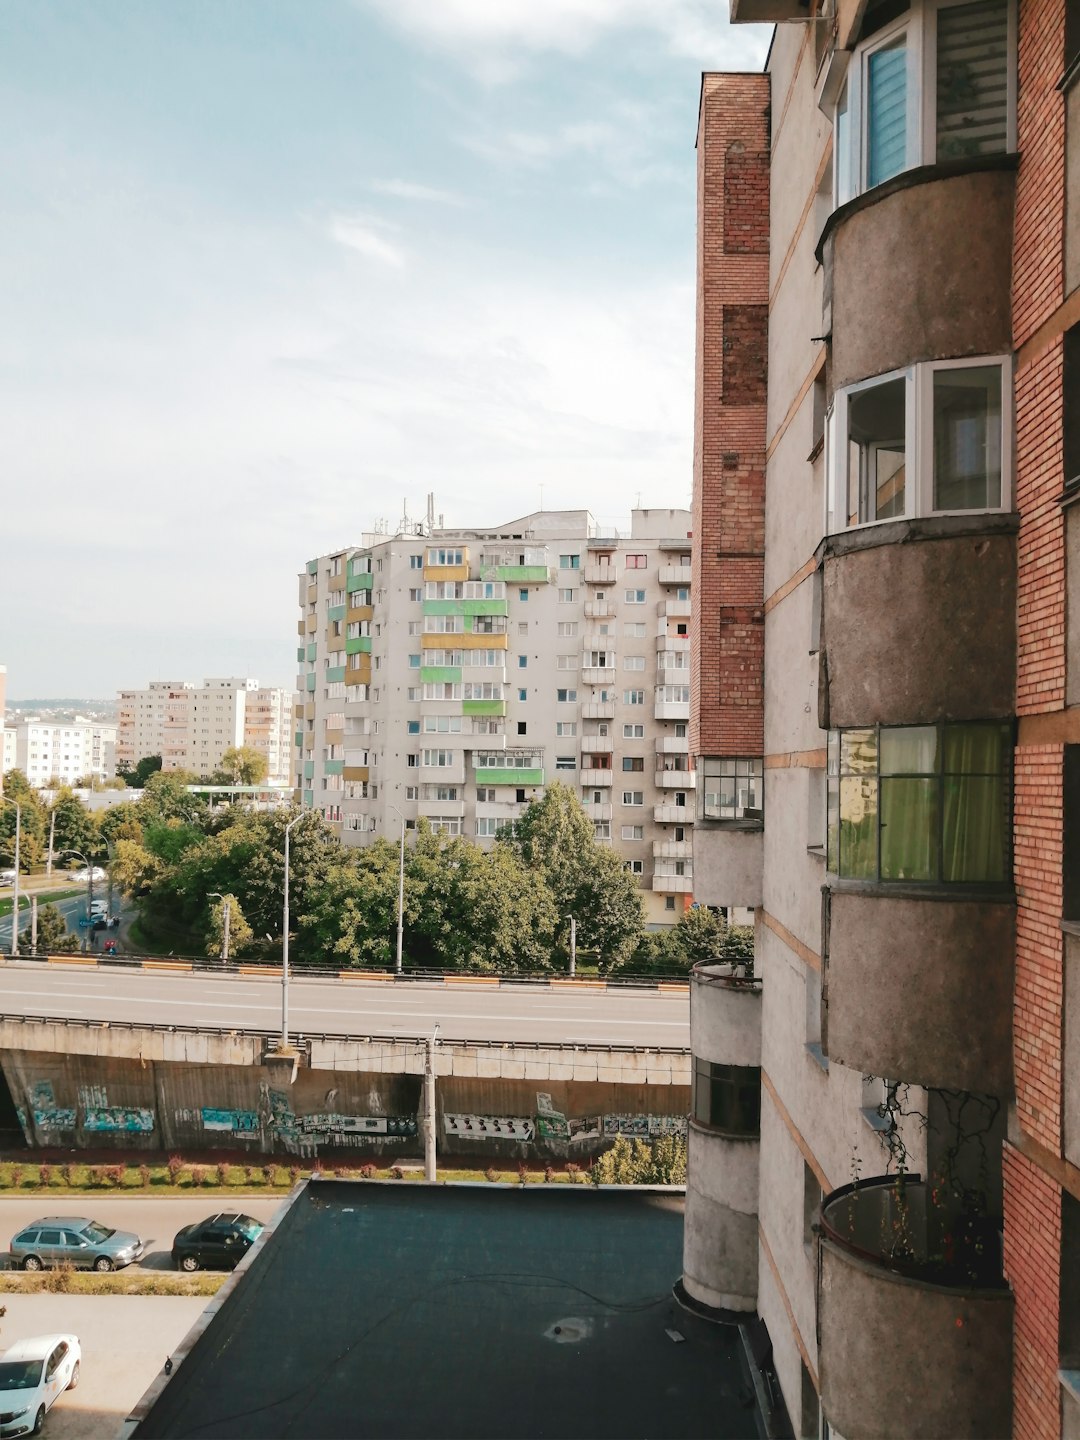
(523, 594)
(567, 597)
(523, 627)
(569, 562)
(415, 593)
(487, 827)
(523, 661)
(636, 867)
(601, 829)
(519, 797)
(414, 662)
(633, 797)
(669, 902)
(634, 629)
(522, 727)
(567, 629)
(437, 556)
(440, 759)
(415, 627)
(633, 764)
(920, 803)
(634, 662)
(934, 439)
(726, 1097)
(731, 789)
(634, 597)
(523, 694)
(441, 724)
(482, 690)
(565, 728)
(566, 697)
(414, 727)
(412, 761)
(565, 762)
(566, 662)
(884, 123)
(637, 562)
(411, 792)
(633, 697)
(633, 732)
(633, 832)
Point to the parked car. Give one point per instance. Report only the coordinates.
(7, 877)
(81, 1242)
(33, 1375)
(80, 877)
(217, 1243)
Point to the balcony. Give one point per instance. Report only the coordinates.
(903, 972)
(597, 744)
(729, 864)
(601, 811)
(893, 1264)
(448, 809)
(673, 849)
(444, 774)
(673, 814)
(674, 574)
(674, 779)
(672, 884)
(674, 609)
(672, 675)
(594, 779)
(599, 610)
(598, 675)
(673, 745)
(598, 710)
(601, 574)
(671, 710)
(677, 644)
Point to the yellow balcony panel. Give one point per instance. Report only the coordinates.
(444, 642)
(355, 772)
(309, 710)
(334, 737)
(358, 612)
(301, 628)
(446, 572)
(311, 624)
(468, 641)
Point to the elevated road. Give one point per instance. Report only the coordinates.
(507, 1013)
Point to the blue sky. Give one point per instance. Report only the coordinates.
(273, 271)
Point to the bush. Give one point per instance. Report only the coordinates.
(396, 1172)
(343, 1172)
(222, 1173)
(45, 1174)
(59, 1280)
(114, 1174)
(368, 1172)
(144, 1176)
(95, 1176)
(490, 1174)
(661, 1163)
(549, 1174)
(573, 1171)
(252, 1175)
(67, 1174)
(523, 1172)
(176, 1167)
(198, 1175)
(294, 1174)
(16, 1176)
(270, 1174)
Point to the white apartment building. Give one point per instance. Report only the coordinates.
(452, 674)
(67, 751)
(191, 724)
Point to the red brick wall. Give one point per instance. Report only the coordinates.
(1032, 1267)
(727, 628)
(1038, 259)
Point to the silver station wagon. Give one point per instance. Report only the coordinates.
(74, 1240)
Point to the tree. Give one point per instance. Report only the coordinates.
(135, 870)
(166, 797)
(242, 765)
(32, 830)
(121, 822)
(53, 936)
(71, 824)
(699, 934)
(240, 932)
(659, 1162)
(137, 778)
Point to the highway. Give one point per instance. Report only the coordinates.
(507, 1013)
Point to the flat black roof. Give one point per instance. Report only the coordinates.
(407, 1310)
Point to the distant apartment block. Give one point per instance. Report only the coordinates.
(191, 725)
(67, 751)
(453, 674)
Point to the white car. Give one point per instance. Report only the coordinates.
(33, 1375)
(82, 876)
(7, 877)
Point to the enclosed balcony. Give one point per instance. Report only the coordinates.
(664, 709)
(668, 882)
(673, 745)
(673, 850)
(674, 609)
(914, 1317)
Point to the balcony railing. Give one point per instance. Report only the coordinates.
(598, 710)
(596, 779)
(598, 675)
(674, 609)
(673, 849)
(601, 574)
(673, 814)
(674, 779)
(673, 884)
(673, 745)
(674, 574)
(671, 710)
(601, 811)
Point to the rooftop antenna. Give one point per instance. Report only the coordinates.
(431, 511)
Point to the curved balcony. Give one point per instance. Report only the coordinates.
(907, 974)
(720, 1229)
(729, 864)
(915, 1320)
(918, 622)
(904, 238)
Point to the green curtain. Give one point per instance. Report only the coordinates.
(975, 803)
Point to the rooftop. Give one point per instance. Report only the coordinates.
(415, 1310)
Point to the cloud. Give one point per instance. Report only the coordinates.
(361, 235)
(490, 36)
(409, 190)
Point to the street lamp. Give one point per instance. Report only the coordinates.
(573, 945)
(89, 892)
(285, 943)
(225, 906)
(400, 888)
(15, 883)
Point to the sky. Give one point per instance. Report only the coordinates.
(272, 272)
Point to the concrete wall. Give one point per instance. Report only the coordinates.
(727, 865)
(725, 1017)
(903, 239)
(906, 978)
(912, 590)
(720, 1229)
(955, 1380)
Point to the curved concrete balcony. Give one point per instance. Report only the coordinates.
(904, 238)
(907, 974)
(895, 594)
(723, 1143)
(915, 1321)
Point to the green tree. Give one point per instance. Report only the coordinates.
(135, 871)
(32, 830)
(699, 934)
(72, 825)
(242, 765)
(137, 778)
(166, 797)
(351, 918)
(659, 1162)
(121, 822)
(240, 932)
(53, 936)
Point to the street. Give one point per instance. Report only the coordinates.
(507, 1013)
(71, 909)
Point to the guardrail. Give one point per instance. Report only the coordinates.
(305, 1038)
(204, 966)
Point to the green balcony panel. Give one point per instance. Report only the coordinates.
(310, 682)
(358, 645)
(309, 769)
(312, 567)
(444, 607)
(333, 767)
(300, 652)
(523, 574)
(483, 707)
(440, 674)
(485, 607)
(359, 582)
(309, 799)
(299, 738)
(313, 650)
(335, 673)
(509, 777)
(335, 612)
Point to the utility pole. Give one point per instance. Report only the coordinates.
(285, 943)
(573, 945)
(52, 833)
(33, 924)
(15, 888)
(224, 931)
(429, 1106)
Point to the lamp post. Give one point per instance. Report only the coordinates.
(89, 893)
(225, 906)
(400, 889)
(285, 943)
(573, 945)
(15, 883)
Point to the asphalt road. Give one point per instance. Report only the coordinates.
(506, 1013)
(156, 1221)
(71, 909)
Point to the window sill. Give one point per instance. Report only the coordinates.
(1070, 927)
(817, 1054)
(819, 446)
(876, 1122)
(899, 890)
(706, 823)
(817, 851)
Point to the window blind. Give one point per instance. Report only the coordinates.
(972, 79)
(886, 110)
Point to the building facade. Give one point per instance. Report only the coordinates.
(68, 751)
(453, 674)
(191, 724)
(885, 1140)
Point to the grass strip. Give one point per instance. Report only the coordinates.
(119, 1282)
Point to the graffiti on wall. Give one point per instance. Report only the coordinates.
(235, 1122)
(93, 1097)
(490, 1127)
(133, 1119)
(44, 1111)
(549, 1124)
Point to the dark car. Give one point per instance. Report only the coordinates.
(218, 1243)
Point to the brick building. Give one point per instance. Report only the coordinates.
(885, 1140)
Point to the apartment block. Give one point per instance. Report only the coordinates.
(67, 751)
(885, 1135)
(453, 674)
(191, 724)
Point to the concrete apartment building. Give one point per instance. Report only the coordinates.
(452, 674)
(886, 669)
(191, 724)
(68, 751)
